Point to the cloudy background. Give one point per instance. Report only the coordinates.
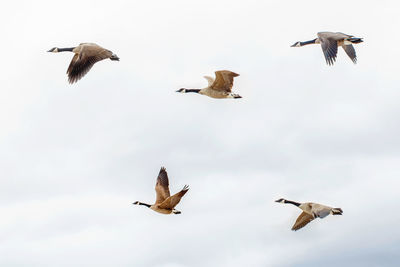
(74, 157)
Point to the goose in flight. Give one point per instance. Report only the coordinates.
(310, 212)
(86, 55)
(164, 202)
(221, 87)
(330, 41)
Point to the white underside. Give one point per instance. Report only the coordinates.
(216, 94)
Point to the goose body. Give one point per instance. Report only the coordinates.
(165, 203)
(330, 41)
(220, 87)
(86, 55)
(310, 212)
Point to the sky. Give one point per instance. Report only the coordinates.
(73, 158)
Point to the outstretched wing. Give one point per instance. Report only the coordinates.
(209, 79)
(302, 221)
(351, 52)
(223, 80)
(84, 60)
(172, 201)
(162, 186)
(329, 47)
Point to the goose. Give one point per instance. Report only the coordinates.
(86, 55)
(221, 87)
(330, 41)
(310, 212)
(165, 203)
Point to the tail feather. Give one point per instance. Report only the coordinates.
(337, 211)
(355, 40)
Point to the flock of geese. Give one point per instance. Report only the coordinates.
(87, 54)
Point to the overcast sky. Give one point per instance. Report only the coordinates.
(73, 158)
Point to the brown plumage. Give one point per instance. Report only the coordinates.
(86, 55)
(162, 186)
(330, 41)
(303, 219)
(223, 80)
(310, 212)
(350, 51)
(164, 202)
(221, 87)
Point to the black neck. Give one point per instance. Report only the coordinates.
(65, 49)
(144, 204)
(308, 42)
(192, 90)
(292, 202)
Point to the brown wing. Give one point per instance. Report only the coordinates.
(162, 190)
(84, 60)
(302, 221)
(349, 49)
(329, 47)
(223, 80)
(172, 201)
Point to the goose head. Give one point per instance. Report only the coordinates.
(281, 200)
(182, 90)
(54, 50)
(296, 44)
